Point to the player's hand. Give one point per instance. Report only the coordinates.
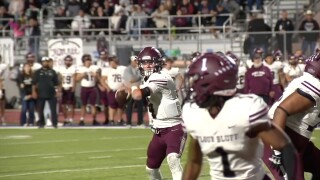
(271, 94)
(34, 95)
(275, 159)
(73, 89)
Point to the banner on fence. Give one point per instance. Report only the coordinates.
(7, 51)
(60, 48)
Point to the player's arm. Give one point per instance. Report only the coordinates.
(74, 76)
(282, 78)
(138, 94)
(288, 78)
(80, 76)
(155, 84)
(298, 101)
(103, 81)
(180, 78)
(277, 138)
(35, 79)
(193, 166)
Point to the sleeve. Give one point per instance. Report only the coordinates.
(276, 28)
(311, 87)
(246, 82)
(104, 72)
(127, 75)
(157, 82)
(258, 113)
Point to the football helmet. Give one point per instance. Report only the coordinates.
(150, 55)
(233, 56)
(277, 54)
(208, 76)
(194, 55)
(313, 65)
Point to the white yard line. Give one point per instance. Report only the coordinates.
(99, 157)
(69, 170)
(52, 157)
(73, 140)
(84, 152)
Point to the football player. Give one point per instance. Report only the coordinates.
(225, 126)
(112, 80)
(3, 68)
(242, 69)
(88, 75)
(298, 113)
(164, 113)
(276, 68)
(68, 76)
(173, 72)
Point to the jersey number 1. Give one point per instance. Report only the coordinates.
(225, 163)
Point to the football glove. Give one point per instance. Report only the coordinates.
(275, 159)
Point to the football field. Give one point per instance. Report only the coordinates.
(80, 154)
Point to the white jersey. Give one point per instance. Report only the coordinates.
(88, 80)
(275, 67)
(67, 74)
(115, 76)
(164, 108)
(241, 76)
(310, 118)
(173, 72)
(102, 64)
(293, 71)
(224, 139)
(3, 68)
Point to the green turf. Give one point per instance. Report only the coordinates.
(78, 154)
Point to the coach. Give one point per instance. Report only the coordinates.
(44, 88)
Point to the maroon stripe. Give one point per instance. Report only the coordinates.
(258, 112)
(158, 81)
(257, 118)
(313, 89)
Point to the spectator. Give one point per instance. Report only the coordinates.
(258, 78)
(61, 24)
(258, 4)
(171, 7)
(180, 21)
(18, 31)
(108, 8)
(101, 23)
(160, 18)
(118, 20)
(112, 80)
(72, 8)
(309, 38)
(282, 26)
(292, 70)
(139, 20)
(220, 17)
(187, 8)
(3, 68)
(4, 20)
(33, 11)
(34, 36)
(233, 7)
(89, 76)
(131, 78)
(150, 5)
(81, 23)
(28, 103)
(257, 25)
(94, 4)
(45, 84)
(16, 8)
(205, 9)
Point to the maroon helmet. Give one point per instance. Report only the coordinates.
(194, 55)
(233, 56)
(209, 76)
(277, 54)
(313, 65)
(150, 54)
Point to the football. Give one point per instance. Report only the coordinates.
(122, 97)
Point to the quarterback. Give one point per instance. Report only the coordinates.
(164, 112)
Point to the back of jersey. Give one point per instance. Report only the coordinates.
(166, 108)
(302, 123)
(231, 153)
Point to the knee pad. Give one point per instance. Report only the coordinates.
(154, 174)
(173, 160)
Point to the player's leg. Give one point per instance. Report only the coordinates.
(2, 106)
(31, 110)
(129, 111)
(139, 104)
(92, 102)
(53, 109)
(104, 102)
(311, 160)
(155, 155)
(84, 101)
(175, 139)
(112, 106)
(71, 106)
(41, 103)
(64, 107)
